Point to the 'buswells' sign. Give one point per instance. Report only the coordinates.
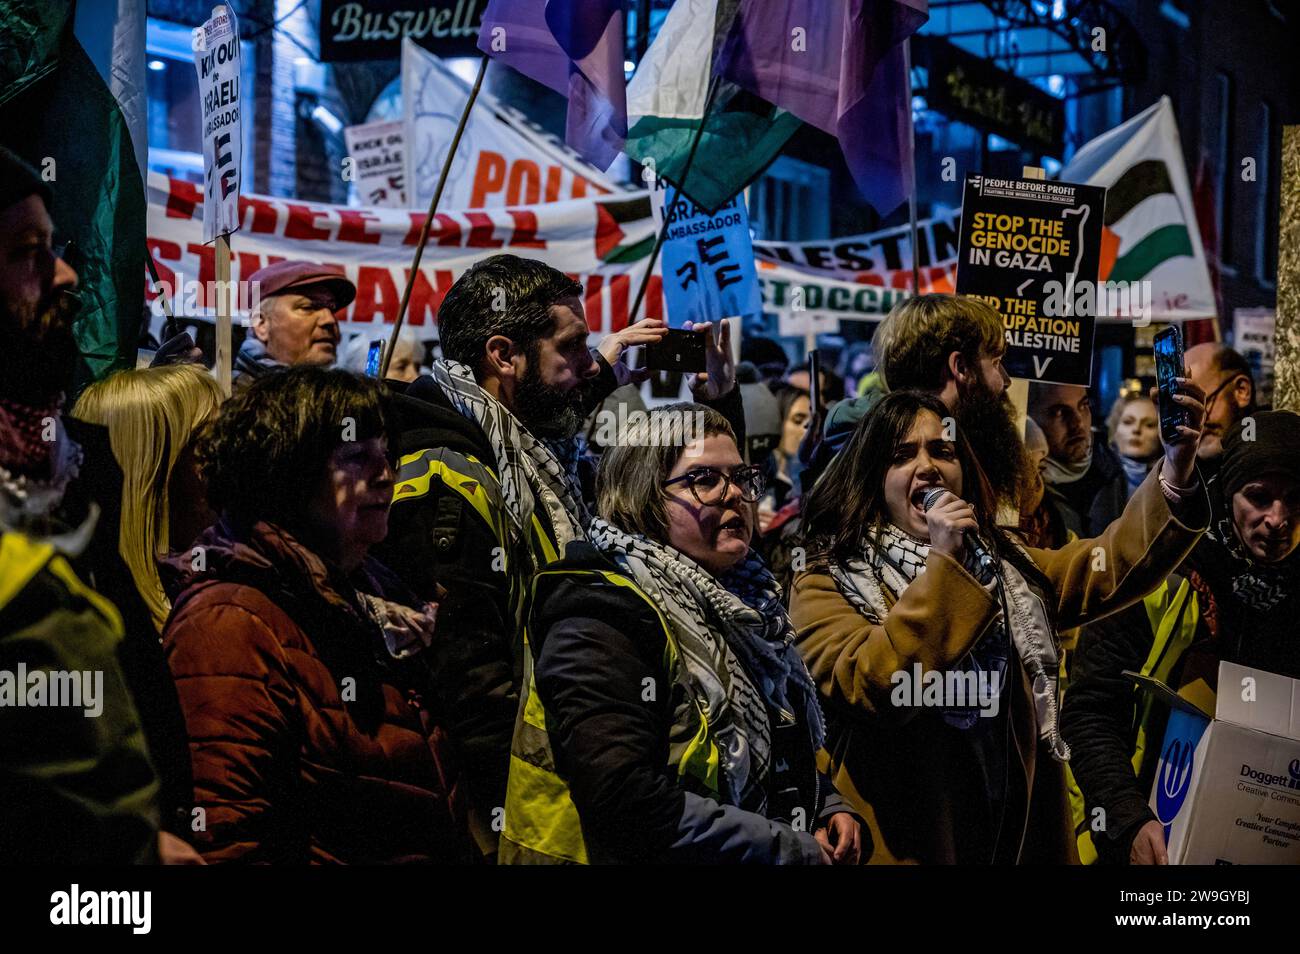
(373, 30)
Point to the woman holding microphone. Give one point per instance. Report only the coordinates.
(932, 635)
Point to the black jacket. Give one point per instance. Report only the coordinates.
(598, 647)
(445, 552)
(1094, 487)
(1100, 717)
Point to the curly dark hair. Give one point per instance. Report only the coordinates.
(265, 454)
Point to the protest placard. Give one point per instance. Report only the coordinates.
(216, 60)
(1031, 249)
(378, 163)
(707, 259)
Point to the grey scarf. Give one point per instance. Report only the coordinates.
(736, 646)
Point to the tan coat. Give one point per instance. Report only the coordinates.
(920, 783)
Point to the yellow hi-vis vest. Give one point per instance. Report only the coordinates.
(417, 476)
(481, 489)
(541, 822)
(1172, 612)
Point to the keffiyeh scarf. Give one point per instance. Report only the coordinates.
(1260, 586)
(736, 649)
(875, 579)
(530, 471)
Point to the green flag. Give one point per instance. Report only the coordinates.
(666, 102)
(57, 111)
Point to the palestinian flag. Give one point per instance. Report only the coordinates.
(666, 101)
(72, 103)
(1150, 229)
(614, 243)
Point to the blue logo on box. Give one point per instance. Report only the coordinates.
(1174, 780)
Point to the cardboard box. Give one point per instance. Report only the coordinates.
(1227, 789)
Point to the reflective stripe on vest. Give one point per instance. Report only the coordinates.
(478, 485)
(541, 822)
(21, 558)
(1172, 616)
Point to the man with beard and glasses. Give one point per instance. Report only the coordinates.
(78, 781)
(952, 347)
(1080, 463)
(487, 489)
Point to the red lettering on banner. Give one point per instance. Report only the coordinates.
(592, 303)
(654, 297)
(300, 222)
(524, 175)
(426, 298)
(375, 293)
(265, 214)
(207, 261)
(525, 229)
(182, 198)
(162, 251)
(554, 174)
(488, 177)
(618, 302)
(248, 263)
(353, 228)
(579, 187)
(444, 228)
(480, 232)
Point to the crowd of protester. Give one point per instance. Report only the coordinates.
(437, 619)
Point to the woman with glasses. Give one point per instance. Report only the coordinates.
(668, 717)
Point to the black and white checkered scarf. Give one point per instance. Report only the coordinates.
(875, 579)
(736, 647)
(530, 471)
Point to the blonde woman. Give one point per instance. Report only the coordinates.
(152, 416)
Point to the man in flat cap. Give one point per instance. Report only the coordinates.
(293, 323)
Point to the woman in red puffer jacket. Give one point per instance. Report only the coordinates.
(296, 657)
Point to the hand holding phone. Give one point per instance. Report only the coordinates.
(1168, 348)
(677, 350)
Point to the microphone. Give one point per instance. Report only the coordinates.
(983, 559)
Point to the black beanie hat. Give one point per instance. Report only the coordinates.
(1275, 448)
(18, 180)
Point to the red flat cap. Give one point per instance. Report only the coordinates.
(285, 277)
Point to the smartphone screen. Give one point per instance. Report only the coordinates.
(678, 350)
(374, 357)
(1168, 347)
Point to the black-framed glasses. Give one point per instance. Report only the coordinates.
(710, 486)
(1209, 398)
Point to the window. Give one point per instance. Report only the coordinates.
(175, 121)
(790, 202)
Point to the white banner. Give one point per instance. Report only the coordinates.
(603, 242)
(378, 163)
(216, 61)
(503, 159)
(881, 258)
